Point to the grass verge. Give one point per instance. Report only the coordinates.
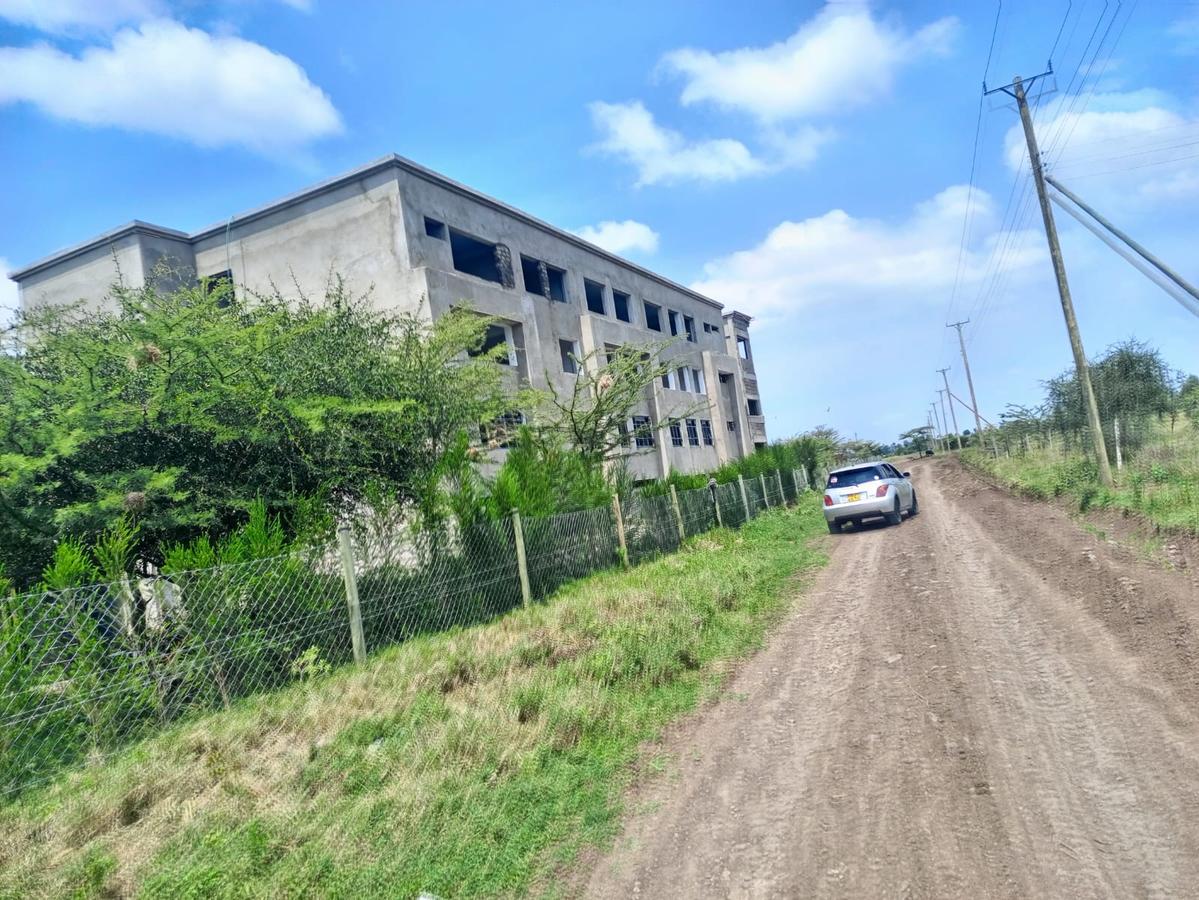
(1161, 483)
(471, 763)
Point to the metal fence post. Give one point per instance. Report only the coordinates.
(744, 496)
(782, 494)
(622, 546)
(765, 496)
(357, 638)
(678, 515)
(522, 564)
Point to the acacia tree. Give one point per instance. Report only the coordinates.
(593, 415)
(181, 408)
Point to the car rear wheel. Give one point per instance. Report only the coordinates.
(915, 510)
(895, 516)
(834, 528)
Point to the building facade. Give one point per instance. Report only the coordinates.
(420, 241)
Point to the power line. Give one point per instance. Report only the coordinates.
(1060, 29)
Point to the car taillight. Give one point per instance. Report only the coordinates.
(882, 489)
(828, 501)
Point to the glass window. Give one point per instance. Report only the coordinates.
(697, 381)
(676, 322)
(689, 327)
(692, 433)
(643, 435)
(683, 382)
(676, 435)
(668, 380)
(851, 477)
(653, 316)
(705, 427)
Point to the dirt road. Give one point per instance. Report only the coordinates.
(986, 701)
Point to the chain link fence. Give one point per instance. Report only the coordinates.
(89, 671)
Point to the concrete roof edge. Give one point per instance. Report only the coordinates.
(137, 226)
(392, 160)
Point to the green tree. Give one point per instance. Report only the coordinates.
(179, 409)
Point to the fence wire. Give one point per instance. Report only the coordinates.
(92, 670)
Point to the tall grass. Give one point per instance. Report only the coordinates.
(475, 762)
(1160, 482)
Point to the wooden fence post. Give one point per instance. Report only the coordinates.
(357, 638)
(715, 489)
(765, 496)
(778, 475)
(744, 496)
(678, 515)
(522, 563)
(622, 546)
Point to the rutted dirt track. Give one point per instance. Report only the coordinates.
(986, 701)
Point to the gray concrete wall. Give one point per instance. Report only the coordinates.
(353, 231)
(86, 277)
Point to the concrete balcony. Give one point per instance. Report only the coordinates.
(757, 428)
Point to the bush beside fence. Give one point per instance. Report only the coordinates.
(87, 670)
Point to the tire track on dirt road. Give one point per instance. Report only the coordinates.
(984, 701)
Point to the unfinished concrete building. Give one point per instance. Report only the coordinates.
(422, 241)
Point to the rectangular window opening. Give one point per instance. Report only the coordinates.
(743, 347)
(731, 424)
(557, 279)
(435, 229)
(501, 431)
(697, 381)
(595, 295)
(643, 435)
(530, 270)
(683, 379)
(676, 435)
(705, 426)
(620, 305)
(692, 433)
(689, 327)
(676, 322)
(475, 257)
(219, 281)
(653, 316)
(755, 406)
(496, 336)
(570, 356)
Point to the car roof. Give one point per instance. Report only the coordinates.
(861, 465)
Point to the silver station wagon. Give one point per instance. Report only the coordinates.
(868, 491)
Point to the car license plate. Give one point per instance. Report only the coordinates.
(854, 498)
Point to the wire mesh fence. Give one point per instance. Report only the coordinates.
(88, 671)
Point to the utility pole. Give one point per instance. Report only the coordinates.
(1016, 90)
(978, 422)
(945, 421)
(937, 425)
(956, 432)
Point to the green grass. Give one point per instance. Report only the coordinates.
(1161, 482)
(472, 763)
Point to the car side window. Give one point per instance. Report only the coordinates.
(891, 472)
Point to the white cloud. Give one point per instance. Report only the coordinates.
(73, 16)
(843, 57)
(837, 260)
(165, 78)
(1128, 149)
(1185, 32)
(621, 237)
(663, 156)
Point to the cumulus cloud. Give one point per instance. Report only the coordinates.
(1185, 32)
(73, 16)
(1129, 148)
(837, 260)
(165, 78)
(662, 156)
(842, 58)
(621, 237)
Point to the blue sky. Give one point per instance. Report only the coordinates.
(808, 163)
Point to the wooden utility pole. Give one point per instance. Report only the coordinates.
(978, 422)
(952, 412)
(1016, 90)
(945, 422)
(937, 424)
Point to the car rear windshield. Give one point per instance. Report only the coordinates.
(850, 477)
